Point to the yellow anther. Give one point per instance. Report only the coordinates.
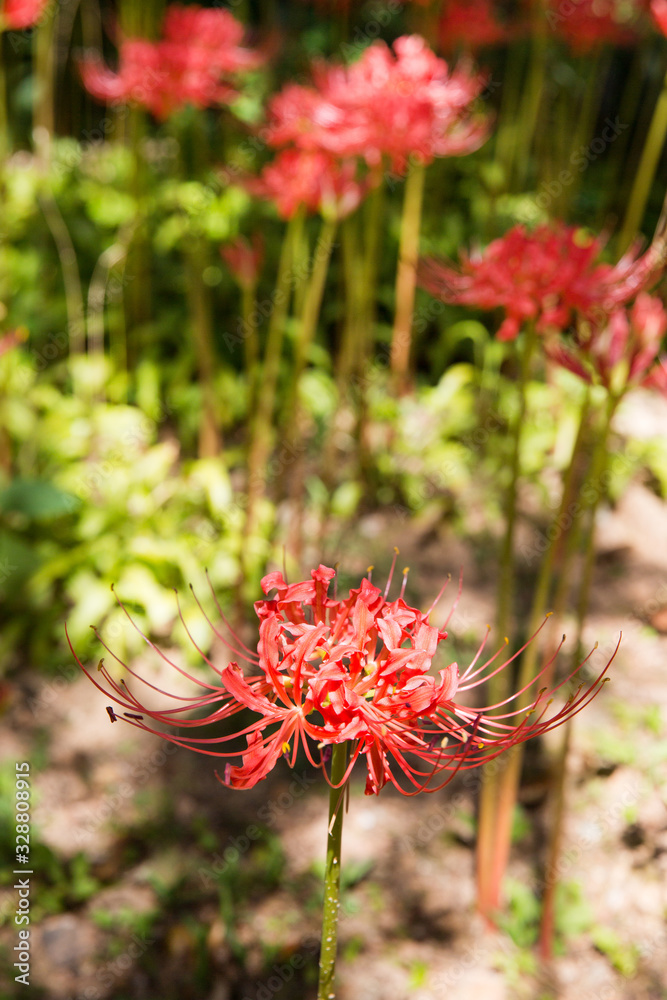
(370, 569)
(406, 571)
(286, 747)
(396, 550)
(100, 665)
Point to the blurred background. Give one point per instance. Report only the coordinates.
(215, 361)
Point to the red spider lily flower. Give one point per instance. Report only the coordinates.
(544, 276)
(244, 259)
(621, 354)
(659, 13)
(472, 25)
(588, 24)
(386, 107)
(310, 178)
(330, 670)
(195, 62)
(18, 14)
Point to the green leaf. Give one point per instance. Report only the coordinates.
(37, 499)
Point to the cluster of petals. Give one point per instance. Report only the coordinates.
(472, 25)
(622, 353)
(589, 24)
(545, 277)
(332, 670)
(386, 108)
(312, 179)
(18, 14)
(195, 62)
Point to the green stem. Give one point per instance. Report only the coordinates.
(558, 540)
(531, 102)
(596, 73)
(5, 142)
(70, 268)
(633, 96)
(374, 211)
(506, 577)
(312, 303)
(44, 65)
(599, 465)
(348, 356)
(330, 910)
(201, 319)
(505, 143)
(488, 888)
(311, 310)
(653, 146)
(406, 277)
(507, 786)
(250, 341)
(260, 437)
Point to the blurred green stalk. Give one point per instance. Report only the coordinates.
(406, 277)
(260, 442)
(641, 188)
(331, 907)
(488, 891)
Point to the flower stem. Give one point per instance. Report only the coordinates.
(599, 466)
(530, 111)
(641, 187)
(506, 579)
(406, 278)
(259, 447)
(499, 827)
(488, 886)
(201, 320)
(325, 989)
(250, 341)
(296, 434)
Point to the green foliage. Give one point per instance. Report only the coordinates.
(110, 504)
(522, 916)
(622, 955)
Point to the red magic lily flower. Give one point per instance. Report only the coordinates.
(386, 107)
(195, 62)
(330, 670)
(310, 178)
(546, 276)
(18, 14)
(624, 352)
(588, 24)
(472, 25)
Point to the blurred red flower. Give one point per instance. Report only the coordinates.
(310, 178)
(195, 62)
(659, 12)
(543, 276)
(472, 25)
(386, 108)
(244, 259)
(622, 353)
(17, 14)
(587, 24)
(335, 670)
